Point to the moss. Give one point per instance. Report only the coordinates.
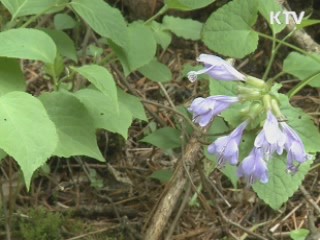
(41, 225)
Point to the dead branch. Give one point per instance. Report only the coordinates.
(173, 191)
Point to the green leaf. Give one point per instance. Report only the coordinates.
(303, 67)
(19, 8)
(55, 70)
(299, 234)
(94, 51)
(133, 104)
(281, 185)
(156, 71)
(187, 5)
(228, 30)
(235, 114)
(302, 124)
(140, 49)
(185, 28)
(266, 7)
(27, 133)
(74, 125)
(102, 79)
(104, 19)
(164, 138)
(162, 36)
(27, 44)
(3, 154)
(104, 114)
(11, 76)
(64, 43)
(223, 88)
(163, 175)
(63, 21)
(218, 127)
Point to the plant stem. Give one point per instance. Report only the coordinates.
(289, 45)
(159, 13)
(282, 42)
(271, 80)
(301, 85)
(273, 54)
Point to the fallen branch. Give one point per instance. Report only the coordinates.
(173, 190)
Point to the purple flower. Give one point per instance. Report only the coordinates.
(205, 109)
(217, 68)
(227, 147)
(254, 168)
(294, 147)
(270, 139)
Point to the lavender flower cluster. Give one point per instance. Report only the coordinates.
(275, 136)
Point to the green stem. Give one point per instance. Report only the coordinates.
(271, 80)
(282, 42)
(273, 54)
(289, 45)
(302, 84)
(162, 11)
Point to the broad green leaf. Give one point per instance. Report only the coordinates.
(228, 30)
(140, 49)
(223, 88)
(266, 7)
(133, 104)
(299, 234)
(94, 51)
(302, 124)
(303, 67)
(3, 154)
(27, 44)
(64, 43)
(102, 79)
(55, 70)
(218, 127)
(104, 19)
(162, 36)
(187, 5)
(11, 76)
(163, 175)
(281, 185)
(19, 8)
(185, 28)
(236, 114)
(27, 133)
(156, 71)
(104, 114)
(63, 21)
(74, 125)
(164, 138)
